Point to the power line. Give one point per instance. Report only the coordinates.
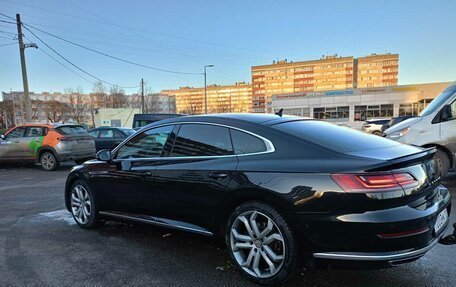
(9, 22)
(8, 44)
(63, 65)
(9, 17)
(74, 65)
(112, 57)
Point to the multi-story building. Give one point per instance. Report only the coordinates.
(235, 98)
(354, 106)
(158, 103)
(376, 71)
(327, 73)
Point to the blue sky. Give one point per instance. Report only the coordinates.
(232, 35)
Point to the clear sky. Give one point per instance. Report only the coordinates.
(232, 35)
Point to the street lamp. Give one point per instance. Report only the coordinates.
(205, 88)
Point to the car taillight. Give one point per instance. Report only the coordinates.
(366, 126)
(373, 182)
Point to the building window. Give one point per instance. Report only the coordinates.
(409, 109)
(331, 113)
(363, 113)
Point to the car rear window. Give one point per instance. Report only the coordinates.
(71, 130)
(336, 138)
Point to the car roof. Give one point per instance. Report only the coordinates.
(107, 127)
(261, 119)
(49, 125)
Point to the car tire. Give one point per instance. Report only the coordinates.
(443, 162)
(49, 161)
(83, 205)
(261, 243)
(377, 133)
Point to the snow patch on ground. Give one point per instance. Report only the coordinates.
(60, 215)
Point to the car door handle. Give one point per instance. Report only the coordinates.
(218, 175)
(148, 173)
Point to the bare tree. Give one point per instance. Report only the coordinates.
(97, 99)
(7, 114)
(55, 111)
(116, 98)
(37, 106)
(77, 108)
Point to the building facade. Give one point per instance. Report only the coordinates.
(158, 103)
(115, 117)
(235, 98)
(327, 73)
(354, 106)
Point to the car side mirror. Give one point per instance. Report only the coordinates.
(446, 113)
(104, 155)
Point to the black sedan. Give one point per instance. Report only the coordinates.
(109, 137)
(277, 190)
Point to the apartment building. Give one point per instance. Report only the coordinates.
(235, 98)
(327, 73)
(376, 71)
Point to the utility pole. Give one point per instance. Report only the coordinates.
(205, 87)
(142, 96)
(27, 102)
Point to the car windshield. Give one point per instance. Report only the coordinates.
(71, 130)
(336, 138)
(438, 101)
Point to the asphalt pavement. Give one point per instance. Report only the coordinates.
(40, 245)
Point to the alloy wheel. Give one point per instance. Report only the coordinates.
(48, 161)
(257, 244)
(81, 205)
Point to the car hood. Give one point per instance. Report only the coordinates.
(402, 125)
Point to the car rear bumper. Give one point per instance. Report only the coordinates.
(383, 258)
(376, 239)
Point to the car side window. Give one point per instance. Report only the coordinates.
(34, 132)
(147, 144)
(94, 133)
(245, 143)
(17, 133)
(453, 110)
(106, 134)
(117, 134)
(202, 140)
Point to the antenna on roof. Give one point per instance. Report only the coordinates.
(279, 113)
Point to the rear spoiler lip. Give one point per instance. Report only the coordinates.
(408, 160)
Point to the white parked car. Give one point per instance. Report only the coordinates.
(434, 127)
(374, 126)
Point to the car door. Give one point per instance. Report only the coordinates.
(13, 141)
(94, 134)
(106, 139)
(32, 141)
(192, 179)
(126, 185)
(448, 129)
